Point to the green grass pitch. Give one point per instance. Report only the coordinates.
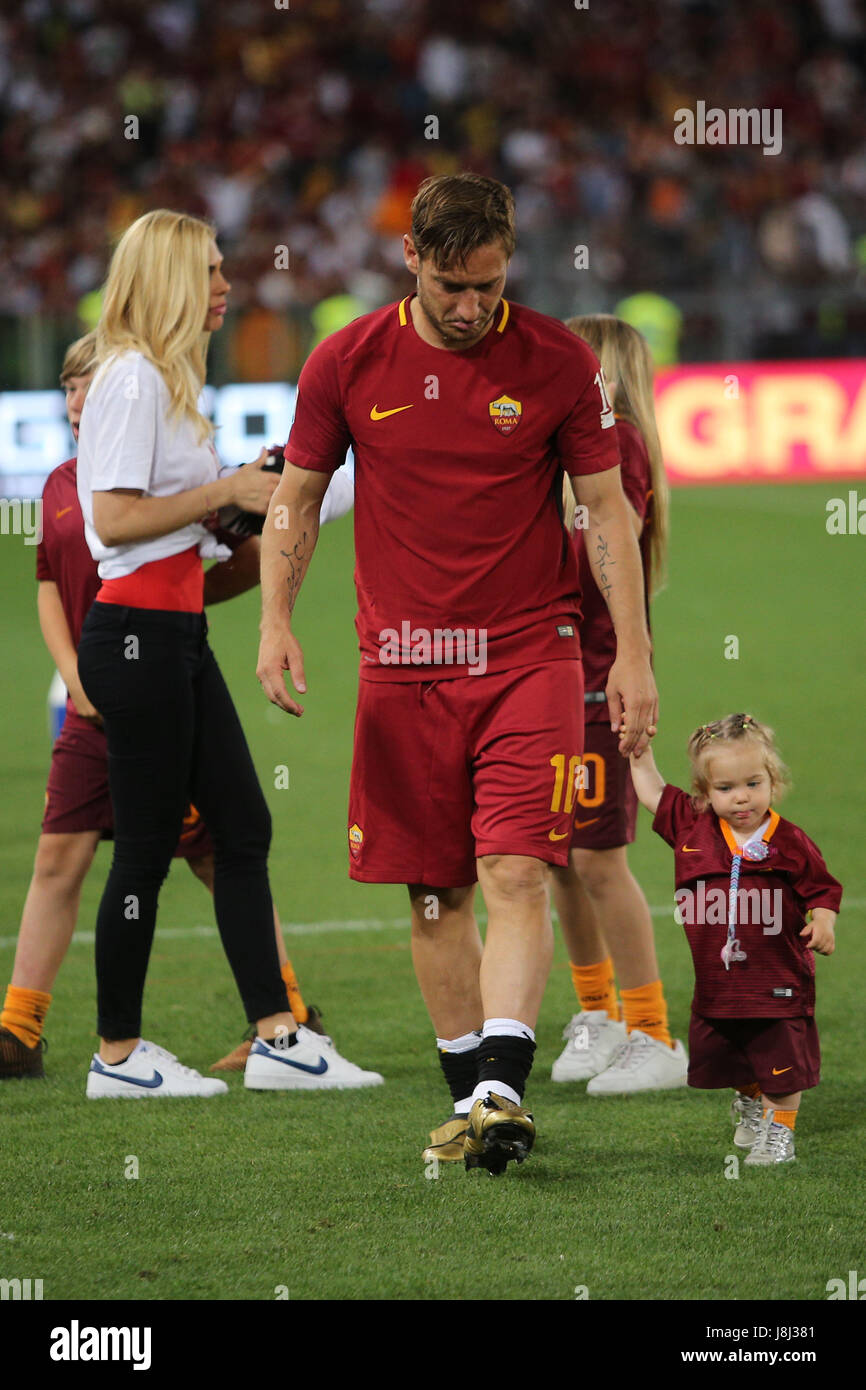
(253, 1196)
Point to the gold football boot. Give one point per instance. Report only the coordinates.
(498, 1131)
(446, 1142)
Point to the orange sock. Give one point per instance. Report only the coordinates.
(645, 1008)
(782, 1117)
(595, 987)
(293, 989)
(24, 1013)
(753, 1090)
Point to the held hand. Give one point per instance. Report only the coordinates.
(633, 702)
(252, 489)
(820, 936)
(279, 652)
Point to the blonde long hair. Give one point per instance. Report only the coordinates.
(626, 359)
(156, 300)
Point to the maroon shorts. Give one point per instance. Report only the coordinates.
(781, 1054)
(77, 797)
(446, 771)
(605, 813)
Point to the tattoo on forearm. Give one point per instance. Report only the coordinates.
(297, 558)
(603, 561)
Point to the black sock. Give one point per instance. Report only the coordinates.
(282, 1042)
(461, 1072)
(507, 1059)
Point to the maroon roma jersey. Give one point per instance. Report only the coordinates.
(63, 555)
(777, 977)
(597, 635)
(459, 459)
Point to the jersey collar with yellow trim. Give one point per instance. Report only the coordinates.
(403, 313)
(730, 838)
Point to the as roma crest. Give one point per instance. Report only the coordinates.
(505, 414)
(356, 840)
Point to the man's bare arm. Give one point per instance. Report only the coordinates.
(288, 541)
(615, 561)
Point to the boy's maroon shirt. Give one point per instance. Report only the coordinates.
(63, 555)
(775, 962)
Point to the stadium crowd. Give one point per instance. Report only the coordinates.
(310, 126)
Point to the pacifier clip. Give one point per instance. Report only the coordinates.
(732, 950)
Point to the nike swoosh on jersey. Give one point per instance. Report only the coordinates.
(377, 414)
(687, 850)
(552, 835)
(62, 512)
(777, 1071)
(582, 824)
(318, 1070)
(133, 1080)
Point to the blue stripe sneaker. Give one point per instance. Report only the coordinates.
(148, 1071)
(311, 1064)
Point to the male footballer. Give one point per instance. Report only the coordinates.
(463, 410)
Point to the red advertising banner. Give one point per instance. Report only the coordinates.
(733, 422)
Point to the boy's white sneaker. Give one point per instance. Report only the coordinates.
(148, 1071)
(746, 1115)
(592, 1039)
(774, 1144)
(311, 1064)
(642, 1064)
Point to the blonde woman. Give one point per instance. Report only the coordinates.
(77, 799)
(602, 910)
(147, 482)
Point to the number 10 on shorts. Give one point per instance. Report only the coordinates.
(575, 782)
(568, 783)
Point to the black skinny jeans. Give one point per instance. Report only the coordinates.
(174, 736)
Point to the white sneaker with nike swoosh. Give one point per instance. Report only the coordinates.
(149, 1071)
(311, 1064)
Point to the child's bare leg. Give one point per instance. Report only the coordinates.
(789, 1103)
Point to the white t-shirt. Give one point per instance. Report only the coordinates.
(340, 495)
(126, 440)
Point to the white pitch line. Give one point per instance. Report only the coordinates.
(360, 924)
